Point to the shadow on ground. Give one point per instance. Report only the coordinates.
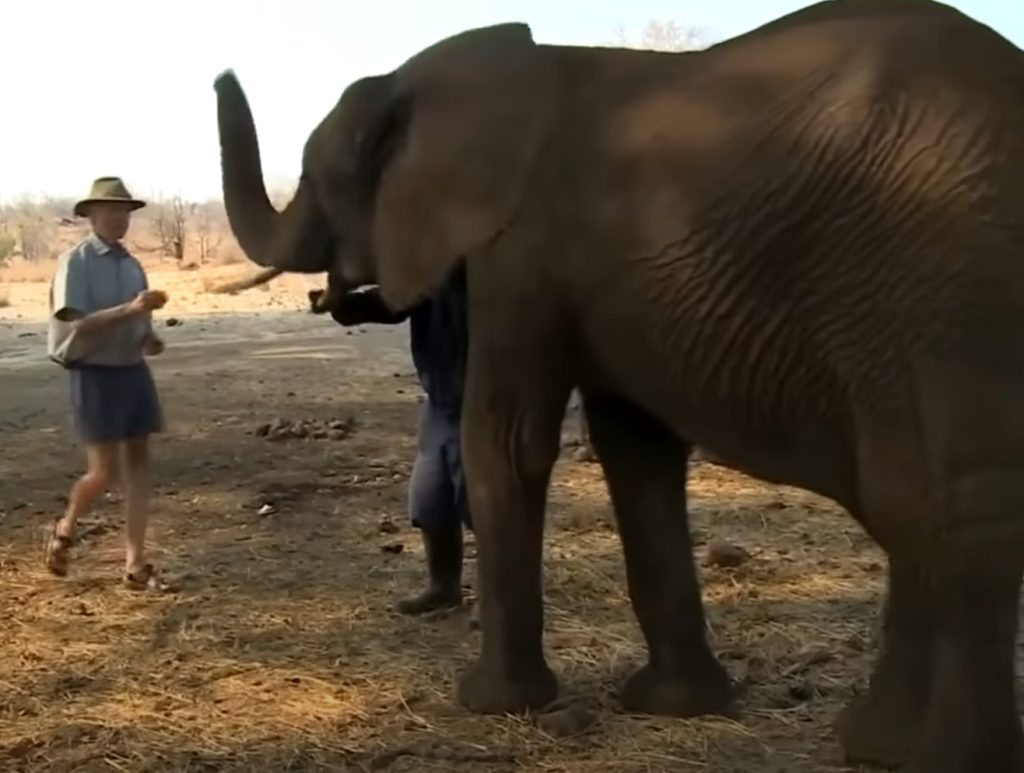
(282, 652)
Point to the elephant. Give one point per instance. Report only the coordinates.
(798, 249)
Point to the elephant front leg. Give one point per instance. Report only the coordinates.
(511, 431)
(973, 723)
(884, 726)
(645, 468)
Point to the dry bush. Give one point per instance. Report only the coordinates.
(8, 241)
(664, 35)
(169, 220)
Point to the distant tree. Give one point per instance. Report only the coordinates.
(209, 224)
(27, 228)
(8, 243)
(170, 221)
(664, 35)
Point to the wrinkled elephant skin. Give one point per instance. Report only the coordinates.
(799, 249)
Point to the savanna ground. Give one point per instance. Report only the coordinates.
(281, 651)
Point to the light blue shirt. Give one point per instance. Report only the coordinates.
(90, 277)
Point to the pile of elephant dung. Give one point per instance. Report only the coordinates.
(307, 429)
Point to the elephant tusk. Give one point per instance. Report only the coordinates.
(248, 283)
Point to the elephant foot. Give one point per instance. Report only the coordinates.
(880, 733)
(492, 689)
(959, 743)
(649, 691)
(990, 760)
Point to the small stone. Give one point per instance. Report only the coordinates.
(584, 455)
(266, 510)
(566, 721)
(337, 434)
(387, 526)
(393, 547)
(172, 322)
(802, 691)
(724, 554)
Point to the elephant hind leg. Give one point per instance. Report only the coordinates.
(974, 580)
(884, 726)
(942, 699)
(645, 468)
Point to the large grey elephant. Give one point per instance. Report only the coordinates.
(800, 249)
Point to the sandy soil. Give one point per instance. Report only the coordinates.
(281, 651)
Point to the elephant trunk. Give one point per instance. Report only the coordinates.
(292, 240)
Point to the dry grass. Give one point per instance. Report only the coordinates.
(18, 270)
(281, 652)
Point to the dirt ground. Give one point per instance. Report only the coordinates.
(281, 652)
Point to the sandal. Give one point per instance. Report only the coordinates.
(56, 550)
(146, 579)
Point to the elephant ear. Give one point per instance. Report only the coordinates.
(478, 105)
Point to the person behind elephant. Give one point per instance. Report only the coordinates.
(101, 330)
(438, 504)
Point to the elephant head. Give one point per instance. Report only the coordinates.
(409, 172)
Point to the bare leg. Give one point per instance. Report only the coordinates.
(135, 466)
(101, 464)
(645, 466)
(99, 468)
(883, 727)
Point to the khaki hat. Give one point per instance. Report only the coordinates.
(107, 189)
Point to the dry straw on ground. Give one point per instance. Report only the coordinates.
(282, 653)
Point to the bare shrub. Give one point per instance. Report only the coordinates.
(209, 224)
(35, 237)
(8, 242)
(169, 219)
(664, 35)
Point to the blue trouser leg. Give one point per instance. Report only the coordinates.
(434, 507)
(437, 491)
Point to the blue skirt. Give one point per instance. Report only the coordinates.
(114, 403)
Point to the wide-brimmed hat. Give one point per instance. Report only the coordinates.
(107, 189)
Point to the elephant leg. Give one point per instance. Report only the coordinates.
(884, 726)
(645, 467)
(511, 429)
(972, 724)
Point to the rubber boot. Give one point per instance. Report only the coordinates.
(444, 573)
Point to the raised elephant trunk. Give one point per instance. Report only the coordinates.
(292, 240)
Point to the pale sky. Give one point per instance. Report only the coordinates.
(125, 87)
